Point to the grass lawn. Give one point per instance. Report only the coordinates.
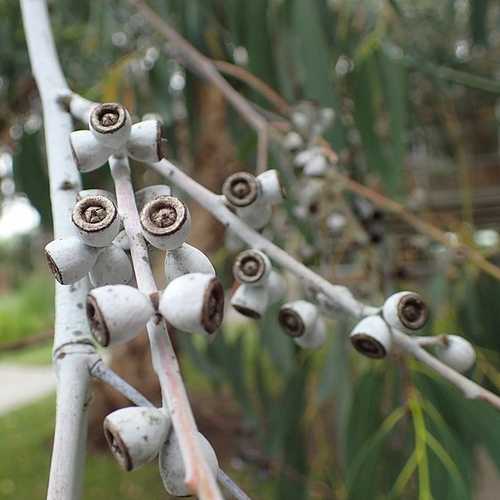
(26, 437)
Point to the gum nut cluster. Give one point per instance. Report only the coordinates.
(111, 131)
(301, 320)
(403, 311)
(171, 464)
(193, 300)
(93, 250)
(259, 284)
(252, 198)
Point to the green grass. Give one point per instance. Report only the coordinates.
(26, 437)
(39, 355)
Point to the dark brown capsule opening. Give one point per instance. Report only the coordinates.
(368, 346)
(245, 311)
(108, 117)
(97, 324)
(53, 268)
(212, 313)
(164, 215)
(249, 266)
(94, 213)
(118, 448)
(291, 322)
(413, 311)
(241, 189)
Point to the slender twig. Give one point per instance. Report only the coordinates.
(328, 294)
(204, 66)
(72, 345)
(255, 83)
(231, 487)
(198, 475)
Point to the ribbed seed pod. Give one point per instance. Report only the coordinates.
(96, 219)
(193, 303)
(146, 142)
(70, 259)
(110, 123)
(136, 434)
(186, 259)
(117, 313)
(165, 222)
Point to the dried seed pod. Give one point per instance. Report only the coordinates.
(252, 267)
(96, 219)
(171, 464)
(271, 187)
(165, 222)
(117, 313)
(89, 154)
(301, 321)
(112, 267)
(372, 337)
(110, 123)
(149, 193)
(136, 434)
(277, 287)
(457, 353)
(96, 192)
(146, 142)
(241, 189)
(70, 259)
(186, 259)
(251, 301)
(193, 303)
(405, 311)
(257, 215)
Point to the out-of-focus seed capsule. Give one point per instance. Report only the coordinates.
(372, 337)
(271, 187)
(241, 189)
(406, 311)
(457, 353)
(252, 267)
(277, 287)
(251, 301)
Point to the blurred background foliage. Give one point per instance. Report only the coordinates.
(415, 89)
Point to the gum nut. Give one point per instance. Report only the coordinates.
(457, 353)
(146, 142)
(406, 311)
(372, 337)
(251, 301)
(186, 259)
(112, 267)
(150, 193)
(110, 123)
(89, 154)
(314, 338)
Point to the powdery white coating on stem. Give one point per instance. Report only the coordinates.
(136, 434)
(172, 468)
(186, 259)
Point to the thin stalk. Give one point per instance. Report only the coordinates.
(198, 475)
